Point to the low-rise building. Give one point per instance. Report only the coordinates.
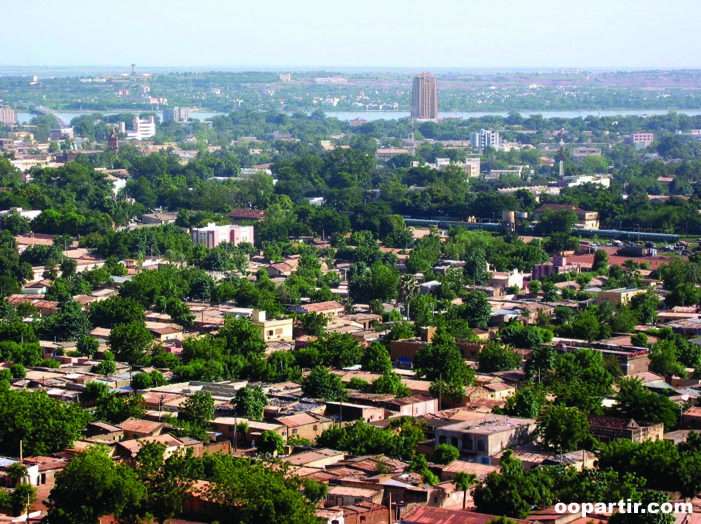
(214, 235)
(484, 437)
(273, 329)
(606, 429)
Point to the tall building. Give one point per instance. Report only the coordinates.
(178, 114)
(424, 97)
(113, 140)
(7, 115)
(485, 138)
(144, 128)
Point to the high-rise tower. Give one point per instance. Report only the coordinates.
(424, 97)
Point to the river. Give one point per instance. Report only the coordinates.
(67, 116)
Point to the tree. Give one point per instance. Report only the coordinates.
(15, 223)
(70, 323)
(314, 324)
(270, 443)
(22, 498)
(494, 357)
(445, 454)
(390, 383)
(562, 429)
(526, 403)
(197, 410)
(87, 346)
(634, 401)
(476, 309)
(464, 481)
(322, 384)
(129, 342)
(443, 360)
(168, 481)
(340, 350)
(91, 486)
(376, 358)
(601, 262)
(511, 493)
(646, 498)
(116, 310)
(242, 337)
(250, 402)
(43, 424)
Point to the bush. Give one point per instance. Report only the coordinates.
(445, 454)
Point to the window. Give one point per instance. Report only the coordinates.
(442, 439)
(270, 332)
(480, 445)
(294, 431)
(467, 443)
(316, 428)
(454, 441)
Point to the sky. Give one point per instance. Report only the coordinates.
(414, 34)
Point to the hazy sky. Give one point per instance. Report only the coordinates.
(374, 33)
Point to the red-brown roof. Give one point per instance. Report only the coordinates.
(433, 515)
(247, 213)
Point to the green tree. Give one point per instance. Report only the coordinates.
(116, 310)
(129, 342)
(270, 443)
(494, 357)
(87, 346)
(601, 262)
(250, 402)
(340, 350)
(463, 482)
(376, 358)
(445, 454)
(197, 410)
(168, 481)
(92, 486)
(562, 429)
(634, 401)
(314, 324)
(443, 360)
(322, 384)
(476, 309)
(242, 337)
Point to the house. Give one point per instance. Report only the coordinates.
(414, 406)
(47, 469)
(316, 458)
(606, 429)
(344, 411)
(103, 432)
(305, 425)
(347, 496)
(619, 296)
(691, 419)
(137, 428)
(507, 279)
(280, 269)
(239, 214)
(585, 219)
(499, 390)
(487, 436)
(158, 219)
(273, 329)
(331, 309)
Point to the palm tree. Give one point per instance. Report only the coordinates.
(407, 288)
(464, 481)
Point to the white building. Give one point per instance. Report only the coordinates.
(485, 138)
(214, 235)
(143, 129)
